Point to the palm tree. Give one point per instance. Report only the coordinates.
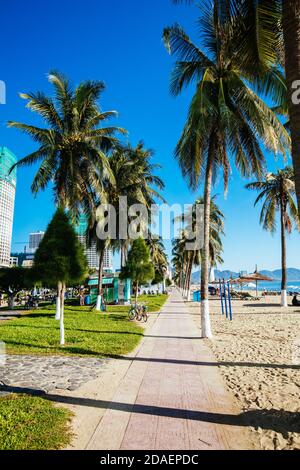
(226, 117)
(193, 257)
(72, 148)
(158, 256)
(180, 260)
(276, 25)
(100, 245)
(291, 29)
(145, 184)
(132, 177)
(123, 183)
(277, 192)
(151, 183)
(271, 35)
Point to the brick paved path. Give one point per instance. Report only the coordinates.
(172, 396)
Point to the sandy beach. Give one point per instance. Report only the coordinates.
(259, 356)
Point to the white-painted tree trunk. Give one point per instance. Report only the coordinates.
(99, 303)
(188, 295)
(58, 301)
(62, 326)
(284, 302)
(205, 320)
(62, 330)
(57, 316)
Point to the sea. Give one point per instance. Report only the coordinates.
(275, 286)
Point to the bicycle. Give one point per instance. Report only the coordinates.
(139, 313)
(132, 313)
(144, 313)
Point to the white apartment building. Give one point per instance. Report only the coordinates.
(8, 182)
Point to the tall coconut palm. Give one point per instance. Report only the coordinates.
(147, 186)
(72, 146)
(215, 241)
(277, 192)
(158, 256)
(145, 169)
(123, 184)
(180, 260)
(272, 35)
(132, 177)
(291, 29)
(226, 117)
(277, 25)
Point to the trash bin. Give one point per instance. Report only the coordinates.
(87, 300)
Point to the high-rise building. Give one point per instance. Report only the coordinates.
(8, 182)
(34, 241)
(91, 252)
(108, 260)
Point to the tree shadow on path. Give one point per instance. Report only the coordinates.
(276, 420)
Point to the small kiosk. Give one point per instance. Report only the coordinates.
(115, 291)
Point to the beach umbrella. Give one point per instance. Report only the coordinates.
(238, 282)
(256, 277)
(212, 275)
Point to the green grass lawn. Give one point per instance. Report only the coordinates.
(32, 423)
(87, 332)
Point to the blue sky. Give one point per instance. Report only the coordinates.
(120, 43)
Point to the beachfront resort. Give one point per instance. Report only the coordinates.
(149, 238)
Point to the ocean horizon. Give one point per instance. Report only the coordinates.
(273, 286)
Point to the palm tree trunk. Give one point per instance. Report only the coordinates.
(189, 279)
(100, 281)
(283, 259)
(205, 318)
(291, 29)
(123, 256)
(136, 293)
(186, 268)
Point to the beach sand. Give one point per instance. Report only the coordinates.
(259, 357)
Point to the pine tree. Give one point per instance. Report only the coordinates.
(60, 260)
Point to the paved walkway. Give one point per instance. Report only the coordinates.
(172, 395)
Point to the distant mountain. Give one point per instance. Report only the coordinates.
(218, 275)
(293, 274)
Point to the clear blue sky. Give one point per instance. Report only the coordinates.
(118, 42)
